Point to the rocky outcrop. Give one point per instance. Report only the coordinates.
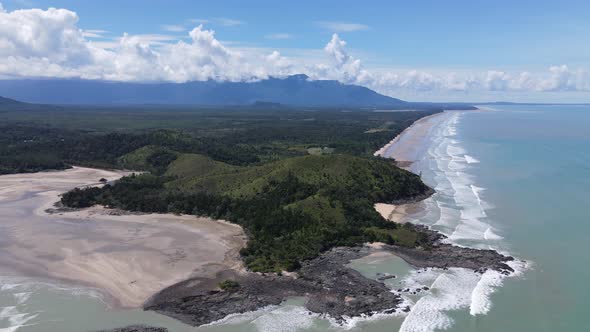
(436, 253)
(137, 328)
(330, 288)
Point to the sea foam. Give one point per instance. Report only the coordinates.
(463, 218)
(470, 160)
(451, 290)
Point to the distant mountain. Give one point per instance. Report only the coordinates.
(7, 101)
(296, 90)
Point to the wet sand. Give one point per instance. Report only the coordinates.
(400, 213)
(128, 257)
(406, 147)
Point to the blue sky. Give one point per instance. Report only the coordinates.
(430, 50)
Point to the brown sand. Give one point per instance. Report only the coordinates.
(128, 257)
(401, 213)
(403, 148)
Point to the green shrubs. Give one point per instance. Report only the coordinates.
(229, 285)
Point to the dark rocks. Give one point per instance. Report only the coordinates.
(434, 253)
(137, 328)
(330, 288)
(343, 291)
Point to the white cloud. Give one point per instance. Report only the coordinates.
(278, 65)
(564, 79)
(346, 68)
(228, 22)
(173, 28)
(94, 33)
(156, 39)
(279, 36)
(497, 80)
(49, 43)
(51, 34)
(219, 21)
(199, 21)
(342, 26)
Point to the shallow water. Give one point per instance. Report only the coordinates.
(513, 179)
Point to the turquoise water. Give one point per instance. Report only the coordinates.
(514, 179)
(535, 166)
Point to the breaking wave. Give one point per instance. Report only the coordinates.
(462, 217)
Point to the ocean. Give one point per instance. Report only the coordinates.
(513, 179)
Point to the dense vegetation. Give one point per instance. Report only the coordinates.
(53, 137)
(299, 182)
(292, 209)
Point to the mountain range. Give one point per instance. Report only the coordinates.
(8, 102)
(296, 90)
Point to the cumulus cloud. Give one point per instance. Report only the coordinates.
(345, 67)
(51, 34)
(564, 79)
(49, 43)
(497, 80)
(94, 33)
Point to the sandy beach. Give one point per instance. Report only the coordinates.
(397, 213)
(128, 257)
(404, 148)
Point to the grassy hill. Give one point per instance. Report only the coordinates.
(292, 209)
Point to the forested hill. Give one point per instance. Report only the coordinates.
(292, 209)
(299, 181)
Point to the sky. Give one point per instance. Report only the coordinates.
(477, 50)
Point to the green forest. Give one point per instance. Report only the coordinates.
(299, 182)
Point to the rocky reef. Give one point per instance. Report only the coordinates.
(329, 286)
(137, 328)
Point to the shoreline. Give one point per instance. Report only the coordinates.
(126, 257)
(395, 140)
(325, 296)
(330, 287)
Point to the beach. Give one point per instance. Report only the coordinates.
(127, 257)
(439, 293)
(406, 147)
(338, 293)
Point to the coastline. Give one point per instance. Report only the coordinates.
(404, 163)
(401, 150)
(331, 288)
(127, 257)
(357, 297)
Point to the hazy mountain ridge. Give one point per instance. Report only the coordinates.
(8, 101)
(296, 90)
